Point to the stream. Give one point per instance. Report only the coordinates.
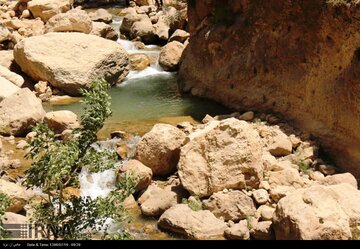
(145, 98)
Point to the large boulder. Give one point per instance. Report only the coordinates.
(19, 195)
(75, 20)
(59, 121)
(233, 205)
(7, 88)
(20, 111)
(144, 30)
(45, 9)
(170, 55)
(223, 155)
(318, 212)
(194, 224)
(70, 61)
(162, 29)
(159, 149)
(129, 20)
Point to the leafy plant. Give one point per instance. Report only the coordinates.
(194, 203)
(303, 167)
(5, 202)
(56, 166)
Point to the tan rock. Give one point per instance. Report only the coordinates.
(130, 203)
(25, 14)
(286, 177)
(144, 30)
(6, 58)
(129, 20)
(161, 28)
(104, 30)
(70, 61)
(279, 192)
(179, 35)
(239, 231)
(22, 144)
(327, 169)
(311, 214)
(261, 196)
(224, 154)
(19, 112)
(101, 15)
(316, 175)
(198, 225)
(159, 149)
(247, 116)
(59, 121)
(7, 88)
(280, 145)
(265, 212)
(155, 200)
(19, 195)
(45, 9)
(340, 178)
(4, 33)
(170, 55)
(233, 205)
(139, 62)
(13, 218)
(14, 78)
(139, 170)
(263, 231)
(75, 20)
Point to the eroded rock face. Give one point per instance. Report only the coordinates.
(194, 224)
(223, 155)
(70, 61)
(311, 61)
(19, 111)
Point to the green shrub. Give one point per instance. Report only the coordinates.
(56, 166)
(5, 202)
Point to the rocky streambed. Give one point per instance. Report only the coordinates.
(243, 176)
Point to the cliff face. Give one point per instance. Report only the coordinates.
(295, 57)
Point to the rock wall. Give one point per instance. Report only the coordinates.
(297, 58)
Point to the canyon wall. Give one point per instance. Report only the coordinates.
(299, 58)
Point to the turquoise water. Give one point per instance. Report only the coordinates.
(139, 103)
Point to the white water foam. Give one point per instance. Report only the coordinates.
(96, 184)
